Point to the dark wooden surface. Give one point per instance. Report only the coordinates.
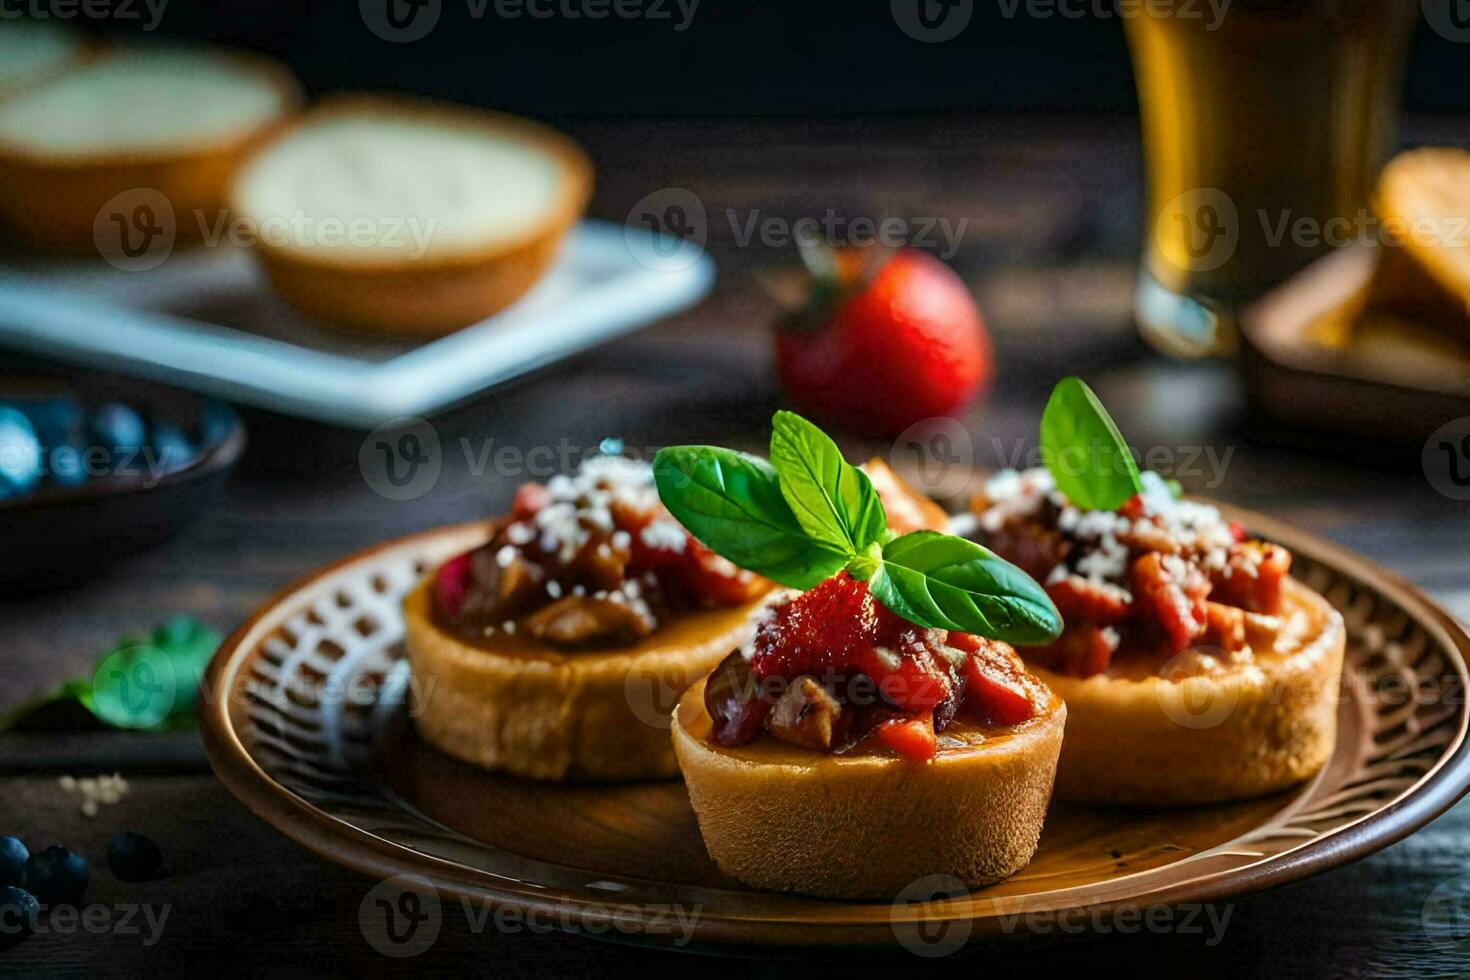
(1049, 248)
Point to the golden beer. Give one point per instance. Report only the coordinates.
(1262, 121)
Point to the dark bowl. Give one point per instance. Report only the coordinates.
(61, 535)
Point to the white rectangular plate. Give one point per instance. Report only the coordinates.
(206, 319)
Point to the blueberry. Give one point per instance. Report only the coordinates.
(13, 856)
(118, 429)
(66, 465)
(18, 912)
(20, 453)
(171, 448)
(216, 421)
(56, 414)
(56, 876)
(133, 857)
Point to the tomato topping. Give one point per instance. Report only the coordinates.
(996, 690)
(912, 737)
(1078, 599)
(529, 499)
(453, 583)
(1252, 577)
(1173, 591)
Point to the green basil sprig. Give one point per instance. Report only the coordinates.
(1084, 450)
(809, 514)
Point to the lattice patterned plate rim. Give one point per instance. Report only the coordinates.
(306, 766)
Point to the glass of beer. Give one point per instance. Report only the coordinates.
(1264, 125)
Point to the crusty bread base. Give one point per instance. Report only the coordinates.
(536, 712)
(867, 826)
(54, 202)
(431, 295)
(1244, 732)
(424, 297)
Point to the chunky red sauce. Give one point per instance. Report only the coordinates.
(1148, 581)
(833, 669)
(591, 559)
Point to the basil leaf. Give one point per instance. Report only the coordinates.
(834, 501)
(1084, 450)
(732, 503)
(944, 582)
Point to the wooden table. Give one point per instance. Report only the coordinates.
(1052, 213)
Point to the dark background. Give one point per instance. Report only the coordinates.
(736, 57)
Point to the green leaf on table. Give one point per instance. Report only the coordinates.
(732, 503)
(1083, 449)
(833, 500)
(150, 683)
(947, 582)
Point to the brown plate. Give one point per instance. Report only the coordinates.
(307, 724)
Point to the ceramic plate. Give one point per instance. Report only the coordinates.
(308, 725)
(207, 319)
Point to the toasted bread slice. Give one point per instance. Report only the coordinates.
(867, 825)
(1423, 200)
(173, 121)
(462, 211)
(513, 704)
(34, 51)
(1188, 737)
